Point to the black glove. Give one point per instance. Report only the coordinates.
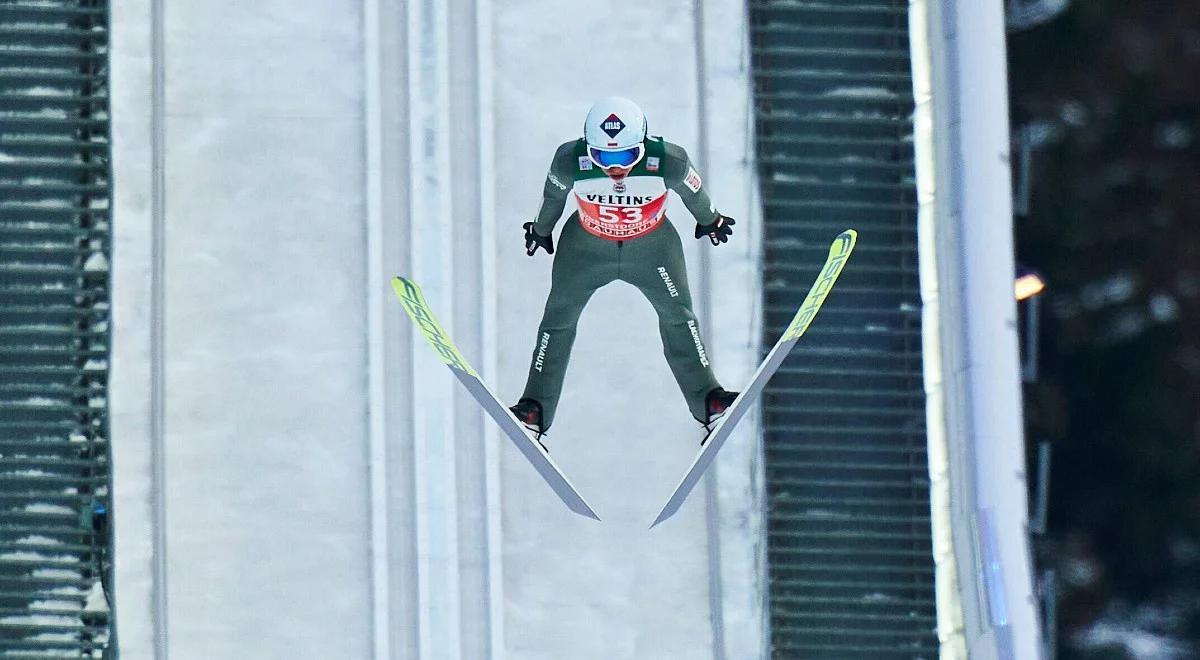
(534, 240)
(718, 232)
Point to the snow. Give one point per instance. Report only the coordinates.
(1112, 290)
(820, 513)
(50, 160)
(48, 508)
(1139, 644)
(266, 390)
(575, 589)
(1173, 135)
(1163, 307)
(35, 327)
(97, 263)
(37, 557)
(1143, 633)
(96, 602)
(861, 92)
(38, 3)
(33, 224)
(54, 605)
(38, 540)
(67, 637)
(44, 113)
(1022, 14)
(49, 70)
(792, 178)
(52, 573)
(49, 204)
(1080, 571)
(1041, 132)
(784, 242)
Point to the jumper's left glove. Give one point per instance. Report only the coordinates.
(718, 232)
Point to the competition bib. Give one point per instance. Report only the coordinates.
(620, 217)
(621, 210)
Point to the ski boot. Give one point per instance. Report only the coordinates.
(716, 402)
(529, 413)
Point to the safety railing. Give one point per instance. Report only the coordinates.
(54, 299)
(849, 543)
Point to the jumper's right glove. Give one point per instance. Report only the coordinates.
(534, 240)
(718, 232)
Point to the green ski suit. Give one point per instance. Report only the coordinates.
(620, 232)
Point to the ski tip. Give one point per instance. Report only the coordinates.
(402, 285)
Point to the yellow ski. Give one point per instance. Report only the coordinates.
(839, 252)
(414, 303)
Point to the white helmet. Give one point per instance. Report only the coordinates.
(614, 130)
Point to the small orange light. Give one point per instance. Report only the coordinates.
(1029, 285)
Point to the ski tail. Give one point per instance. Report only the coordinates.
(418, 309)
(839, 252)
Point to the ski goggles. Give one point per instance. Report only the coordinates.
(618, 157)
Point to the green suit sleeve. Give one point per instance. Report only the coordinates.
(558, 185)
(681, 175)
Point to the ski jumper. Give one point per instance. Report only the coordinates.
(620, 232)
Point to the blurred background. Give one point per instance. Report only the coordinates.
(220, 438)
(1106, 93)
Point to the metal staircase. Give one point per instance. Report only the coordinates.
(54, 248)
(849, 546)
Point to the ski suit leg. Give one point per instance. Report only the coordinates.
(582, 264)
(654, 264)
